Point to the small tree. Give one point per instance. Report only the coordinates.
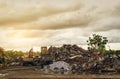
(97, 43)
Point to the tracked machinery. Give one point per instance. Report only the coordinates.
(42, 59)
(46, 58)
(29, 59)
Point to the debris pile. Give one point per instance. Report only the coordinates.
(65, 52)
(60, 65)
(81, 60)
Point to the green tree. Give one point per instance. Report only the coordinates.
(11, 54)
(96, 43)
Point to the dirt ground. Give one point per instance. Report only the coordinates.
(36, 73)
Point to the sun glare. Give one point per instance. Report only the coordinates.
(36, 49)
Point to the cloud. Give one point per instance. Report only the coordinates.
(25, 33)
(60, 21)
(19, 39)
(112, 35)
(30, 38)
(59, 14)
(74, 14)
(108, 23)
(28, 23)
(17, 14)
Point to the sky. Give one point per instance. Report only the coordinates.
(34, 23)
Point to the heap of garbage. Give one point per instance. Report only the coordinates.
(80, 60)
(65, 52)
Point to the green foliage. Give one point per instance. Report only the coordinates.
(97, 43)
(13, 54)
(107, 52)
(10, 55)
(1, 52)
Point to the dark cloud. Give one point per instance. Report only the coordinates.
(17, 15)
(61, 16)
(107, 24)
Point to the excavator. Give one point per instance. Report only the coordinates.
(29, 60)
(39, 60)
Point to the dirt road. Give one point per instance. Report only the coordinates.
(36, 73)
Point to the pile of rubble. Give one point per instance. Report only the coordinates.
(80, 60)
(65, 52)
